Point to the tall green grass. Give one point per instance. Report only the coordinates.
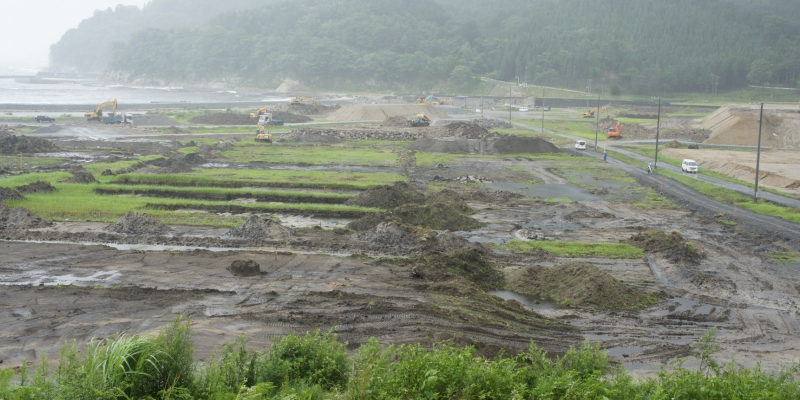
(317, 366)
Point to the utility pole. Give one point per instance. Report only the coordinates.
(658, 131)
(597, 123)
(758, 153)
(543, 92)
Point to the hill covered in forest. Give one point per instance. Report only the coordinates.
(641, 46)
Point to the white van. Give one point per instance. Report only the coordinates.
(689, 166)
(523, 109)
(580, 145)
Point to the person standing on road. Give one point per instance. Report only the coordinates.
(649, 167)
(605, 156)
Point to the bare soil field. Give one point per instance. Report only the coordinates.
(778, 169)
(417, 254)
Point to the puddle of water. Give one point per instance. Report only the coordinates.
(46, 278)
(624, 351)
(527, 301)
(296, 221)
(21, 312)
(546, 191)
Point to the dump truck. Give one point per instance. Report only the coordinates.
(420, 120)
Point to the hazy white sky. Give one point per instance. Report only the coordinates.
(29, 27)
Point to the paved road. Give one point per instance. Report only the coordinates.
(777, 199)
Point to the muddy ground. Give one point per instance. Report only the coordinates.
(78, 280)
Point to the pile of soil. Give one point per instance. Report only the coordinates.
(409, 205)
(360, 134)
(467, 130)
(502, 144)
(389, 196)
(387, 234)
(9, 194)
(627, 130)
(576, 284)
(673, 246)
(25, 144)
(396, 122)
(175, 164)
(491, 123)
(37, 187)
(20, 218)
(80, 175)
(262, 229)
(244, 268)
(6, 130)
(309, 109)
(468, 264)
(194, 159)
(138, 224)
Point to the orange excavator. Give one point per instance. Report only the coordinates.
(615, 134)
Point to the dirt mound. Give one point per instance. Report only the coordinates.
(80, 175)
(435, 215)
(25, 144)
(627, 130)
(445, 241)
(244, 268)
(673, 246)
(262, 229)
(468, 264)
(388, 196)
(194, 159)
(674, 145)
(396, 122)
(6, 130)
(505, 144)
(20, 218)
(379, 112)
(387, 234)
(9, 194)
(138, 224)
(491, 123)
(360, 133)
(467, 130)
(291, 118)
(307, 109)
(577, 284)
(37, 187)
(175, 164)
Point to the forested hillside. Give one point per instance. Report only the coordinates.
(88, 47)
(641, 46)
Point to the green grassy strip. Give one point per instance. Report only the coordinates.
(578, 249)
(211, 191)
(732, 197)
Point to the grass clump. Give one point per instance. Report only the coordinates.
(577, 249)
(578, 284)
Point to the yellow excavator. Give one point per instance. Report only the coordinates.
(425, 101)
(590, 113)
(442, 102)
(97, 114)
(261, 111)
(301, 99)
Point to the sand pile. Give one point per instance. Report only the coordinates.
(20, 218)
(80, 175)
(380, 112)
(396, 122)
(738, 125)
(37, 187)
(138, 224)
(465, 264)
(25, 144)
(467, 130)
(673, 246)
(389, 196)
(576, 284)
(9, 194)
(244, 268)
(262, 229)
(504, 144)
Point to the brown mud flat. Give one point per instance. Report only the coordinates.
(259, 197)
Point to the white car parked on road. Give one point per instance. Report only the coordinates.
(580, 145)
(689, 166)
(523, 109)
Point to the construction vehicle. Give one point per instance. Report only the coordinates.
(590, 113)
(615, 133)
(265, 120)
(421, 120)
(442, 102)
(261, 111)
(119, 119)
(425, 101)
(97, 114)
(301, 99)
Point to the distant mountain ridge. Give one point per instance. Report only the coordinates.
(642, 46)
